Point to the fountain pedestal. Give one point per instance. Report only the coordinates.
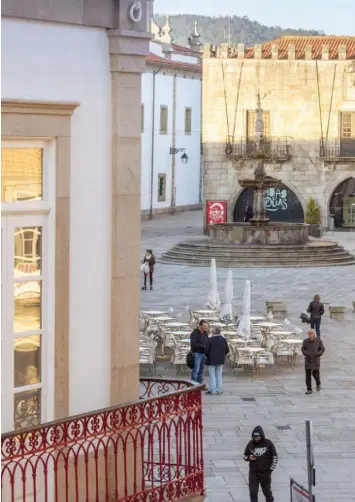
(269, 234)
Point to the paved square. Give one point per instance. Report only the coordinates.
(280, 399)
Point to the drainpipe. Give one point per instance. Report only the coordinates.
(155, 72)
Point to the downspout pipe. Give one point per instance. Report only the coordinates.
(155, 72)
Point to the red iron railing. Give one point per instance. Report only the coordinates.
(150, 450)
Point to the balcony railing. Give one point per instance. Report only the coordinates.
(149, 450)
(273, 148)
(337, 149)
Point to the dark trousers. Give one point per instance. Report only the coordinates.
(316, 377)
(315, 324)
(264, 480)
(150, 279)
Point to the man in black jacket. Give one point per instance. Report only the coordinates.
(312, 349)
(217, 350)
(316, 310)
(262, 457)
(199, 342)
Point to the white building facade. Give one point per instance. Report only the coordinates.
(70, 129)
(171, 125)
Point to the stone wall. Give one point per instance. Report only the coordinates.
(304, 98)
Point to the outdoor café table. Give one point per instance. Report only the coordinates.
(185, 341)
(153, 313)
(281, 333)
(175, 324)
(293, 341)
(254, 318)
(270, 325)
(206, 311)
(164, 318)
(180, 332)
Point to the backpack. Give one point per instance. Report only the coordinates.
(190, 360)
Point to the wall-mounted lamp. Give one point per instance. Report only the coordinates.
(184, 158)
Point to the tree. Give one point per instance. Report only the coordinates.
(312, 212)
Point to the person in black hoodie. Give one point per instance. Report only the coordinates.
(262, 457)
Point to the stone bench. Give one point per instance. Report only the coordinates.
(278, 309)
(336, 313)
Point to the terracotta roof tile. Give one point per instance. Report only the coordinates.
(153, 58)
(181, 48)
(300, 44)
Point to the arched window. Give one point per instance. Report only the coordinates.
(342, 204)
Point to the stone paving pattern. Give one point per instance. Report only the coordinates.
(280, 399)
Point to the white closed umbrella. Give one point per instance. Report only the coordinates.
(244, 323)
(213, 301)
(226, 311)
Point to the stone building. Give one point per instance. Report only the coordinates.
(171, 123)
(307, 90)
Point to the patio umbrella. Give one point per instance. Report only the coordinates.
(213, 301)
(226, 309)
(244, 323)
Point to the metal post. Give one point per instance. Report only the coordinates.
(310, 460)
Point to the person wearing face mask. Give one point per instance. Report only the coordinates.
(262, 457)
(148, 268)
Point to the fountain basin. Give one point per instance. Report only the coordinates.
(271, 234)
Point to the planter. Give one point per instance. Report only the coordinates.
(315, 230)
(277, 308)
(337, 313)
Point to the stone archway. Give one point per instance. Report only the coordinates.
(282, 204)
(341, 203)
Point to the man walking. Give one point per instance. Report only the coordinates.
(198, 343)
(312, 349)
(262, 457)
(316, 310)
(217, 350)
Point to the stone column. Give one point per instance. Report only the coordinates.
(128, 46)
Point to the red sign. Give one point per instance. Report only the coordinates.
(216, 212)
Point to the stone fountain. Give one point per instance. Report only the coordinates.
(259, 242)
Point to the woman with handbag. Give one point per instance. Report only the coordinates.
(148, 268)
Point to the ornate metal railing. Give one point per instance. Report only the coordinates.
(273, 148)
(150, 450)
(337, 149)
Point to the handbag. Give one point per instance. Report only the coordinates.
(145, 268)
(305, 318)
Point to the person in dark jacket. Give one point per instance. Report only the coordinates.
(312, 349)
(149, 258)
(248, 213)
(199, 343)
(262, 457)
(216, 352)
(316, 310)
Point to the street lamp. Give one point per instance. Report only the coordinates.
(184, 158)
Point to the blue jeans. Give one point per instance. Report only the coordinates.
(215, 380)
(315, 324)
(199, 367)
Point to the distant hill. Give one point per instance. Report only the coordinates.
(215, 29)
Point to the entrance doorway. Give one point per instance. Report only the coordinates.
(342, 204)
(281, 204)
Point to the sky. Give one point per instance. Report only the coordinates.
(332, 17)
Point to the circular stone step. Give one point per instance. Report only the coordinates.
(198, 253)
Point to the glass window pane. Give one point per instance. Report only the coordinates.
(27, 306)
(21, 174)
(27, 360)
(27, 409)
(28, 251)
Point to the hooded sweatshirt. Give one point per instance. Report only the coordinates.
(264, 451)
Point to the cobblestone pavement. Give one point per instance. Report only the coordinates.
(280, 399)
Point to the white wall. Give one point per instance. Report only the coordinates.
(187, 176)
(57, 62)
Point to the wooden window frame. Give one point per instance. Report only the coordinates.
(188, 126)
(163, 128)
(161, 197)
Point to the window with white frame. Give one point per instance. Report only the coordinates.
(27, 277)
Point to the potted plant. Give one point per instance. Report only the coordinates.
(313, 218)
